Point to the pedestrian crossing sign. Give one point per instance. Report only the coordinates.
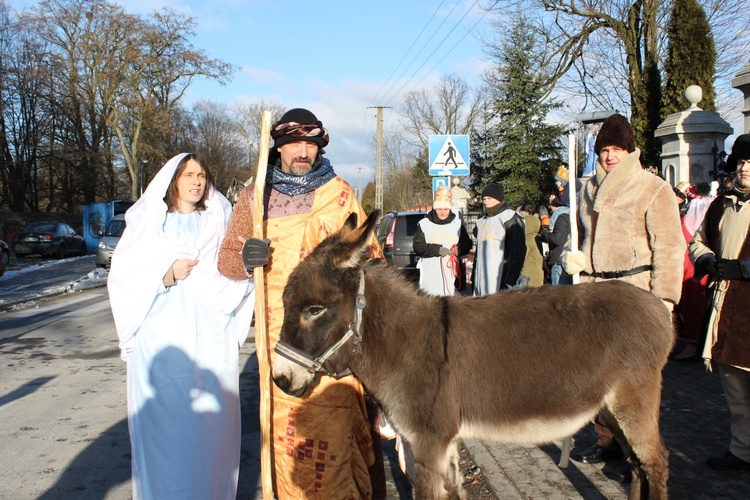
(449, 155)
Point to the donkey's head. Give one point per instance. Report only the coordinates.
(322, 311)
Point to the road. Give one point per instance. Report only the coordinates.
(63, 411)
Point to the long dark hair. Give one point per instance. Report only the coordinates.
(172, 196)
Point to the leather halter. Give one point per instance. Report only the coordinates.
(314, 365)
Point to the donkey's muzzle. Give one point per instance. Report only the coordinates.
(283, 383)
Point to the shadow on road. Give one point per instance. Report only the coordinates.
(106, 462)
(24, 390)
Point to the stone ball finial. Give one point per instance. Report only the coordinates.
(694, 95)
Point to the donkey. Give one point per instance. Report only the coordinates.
(489, 367)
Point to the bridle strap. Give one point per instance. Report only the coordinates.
(316, 365)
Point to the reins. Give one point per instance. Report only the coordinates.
(314, 365)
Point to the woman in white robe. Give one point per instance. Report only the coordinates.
(180, 324)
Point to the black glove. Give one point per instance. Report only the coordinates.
(733, 269)
(255, 253)
(444, 251)
(706, 264)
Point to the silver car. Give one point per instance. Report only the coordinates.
(109, 241)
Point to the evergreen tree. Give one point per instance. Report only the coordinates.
(519, 150)
(691, 58)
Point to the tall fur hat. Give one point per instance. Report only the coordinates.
(562, 175)
(615, 131)
(494, 190)
(443, 198)
(740, 151)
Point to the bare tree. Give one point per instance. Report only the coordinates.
(217, 142)
(608, 53)
(402, 188)
(25, 117)
(158, 71)
(84, 82)
(453, 107)
(248, 118)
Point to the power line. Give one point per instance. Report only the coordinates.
(424, 46)
(407, 52)
(368, 128)
(436, 49)
(444, 39)
(446, 54)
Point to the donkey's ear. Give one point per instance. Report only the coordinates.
(351, 223)
(356, 241)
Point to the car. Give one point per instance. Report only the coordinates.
(4, 256)
(5, 253)
(396, 236)
(110, 238)
(48, 238)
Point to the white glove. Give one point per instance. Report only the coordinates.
(573, 261)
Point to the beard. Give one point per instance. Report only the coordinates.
(300, 165)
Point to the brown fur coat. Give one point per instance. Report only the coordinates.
(629, 218)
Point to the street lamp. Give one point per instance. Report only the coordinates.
(720, 164)
(140, 175)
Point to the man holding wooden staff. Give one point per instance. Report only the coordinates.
(630, 230)
(323, 446)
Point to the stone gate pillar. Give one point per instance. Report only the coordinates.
(741, 82)
(689, 141)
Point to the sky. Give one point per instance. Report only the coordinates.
(336, 58)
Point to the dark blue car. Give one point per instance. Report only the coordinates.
(48, 238)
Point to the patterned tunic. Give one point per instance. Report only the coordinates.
(322, 444)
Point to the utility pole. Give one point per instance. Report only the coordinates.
(379, 160)
(359, 184)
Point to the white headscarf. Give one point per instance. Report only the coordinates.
(143, 256)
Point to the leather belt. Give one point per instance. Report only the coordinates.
(619, 274)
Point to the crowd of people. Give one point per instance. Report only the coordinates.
(182, 294)
(688, 245)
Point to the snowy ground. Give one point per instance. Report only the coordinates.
(30, 279)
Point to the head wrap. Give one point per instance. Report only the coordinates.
(299, 124)
(615, 131)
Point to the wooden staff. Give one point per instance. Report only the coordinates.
(567, 444)
(261, 334)
(572, 171)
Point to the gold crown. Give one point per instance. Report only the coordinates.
(443, 194)
(562, 173)
(443, 198)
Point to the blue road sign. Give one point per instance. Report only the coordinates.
(439, 181)
(449, 155)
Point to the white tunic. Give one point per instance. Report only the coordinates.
(183, 393)
(181, 345)
(436, 274)
(490, 256)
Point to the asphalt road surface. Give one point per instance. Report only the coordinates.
(63, 410)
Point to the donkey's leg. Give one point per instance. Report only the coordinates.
(453, 481)
(636, 409)
(432, 459)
